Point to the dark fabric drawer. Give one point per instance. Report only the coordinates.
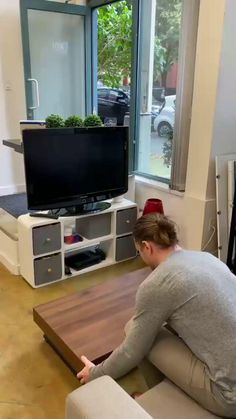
(125, 248)
(95, 226)
(46, 239)
(125, 220)
(47, 269)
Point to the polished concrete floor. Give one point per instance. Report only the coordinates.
(34, 381)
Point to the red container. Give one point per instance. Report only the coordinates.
(153, 205)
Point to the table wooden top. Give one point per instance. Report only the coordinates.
(90, 322)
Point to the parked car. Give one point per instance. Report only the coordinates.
(113, 103)
(156, 107)
(164, 121)
(158, 94)
(170, 91)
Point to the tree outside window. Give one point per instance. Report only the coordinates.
(114, 62)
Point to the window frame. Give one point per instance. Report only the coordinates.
(182, 122)
(138, 32)
(50, 6)
(94, 4)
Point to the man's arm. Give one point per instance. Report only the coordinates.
(152, 309)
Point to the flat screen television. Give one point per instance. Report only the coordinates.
(75, 169)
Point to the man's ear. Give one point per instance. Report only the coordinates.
(149, 246)
(146, 245)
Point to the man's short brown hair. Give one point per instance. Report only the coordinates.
(157, 228)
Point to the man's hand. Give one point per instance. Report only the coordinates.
(83, 375)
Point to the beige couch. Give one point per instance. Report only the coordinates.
(103, 398)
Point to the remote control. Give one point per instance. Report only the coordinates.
(39, 214)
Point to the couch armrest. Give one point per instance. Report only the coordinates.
(103, 398)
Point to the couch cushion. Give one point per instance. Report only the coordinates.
(166, 401)
(103, 398)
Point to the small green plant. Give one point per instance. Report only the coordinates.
(54, 121)
(167, 150)
(93, 121)
(74, 121)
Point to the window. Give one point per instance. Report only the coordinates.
(113, 95)
(113, 58)
(143, 58)
(102, 93)
(168, 30)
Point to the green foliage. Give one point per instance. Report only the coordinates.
(167, 151)
(115, 40)
(74, 121)
(54, 121)
(114, 43)
(167, 33)
(93, 121)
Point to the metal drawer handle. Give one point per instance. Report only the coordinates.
(127, 221)
(49, 270)
(48, 240)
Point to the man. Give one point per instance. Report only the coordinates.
(195, 294)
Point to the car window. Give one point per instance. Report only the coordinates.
(113, 95)
(122, 98)
(102, 93)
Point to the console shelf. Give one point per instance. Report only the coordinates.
(42, 251)
(103, 264)
(86, 243)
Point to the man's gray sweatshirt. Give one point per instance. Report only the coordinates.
(195, 293)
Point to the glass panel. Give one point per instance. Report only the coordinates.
(114, 62)
(158, 88)
(57, 55)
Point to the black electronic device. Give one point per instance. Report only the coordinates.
(85, 259)
(67, 270)
(75, 170)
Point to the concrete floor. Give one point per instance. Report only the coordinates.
(34, 381)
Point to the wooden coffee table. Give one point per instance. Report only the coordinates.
(90, 322)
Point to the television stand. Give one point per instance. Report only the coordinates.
(80, 209)
(44, 255)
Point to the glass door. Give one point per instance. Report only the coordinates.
(160, 31)
(56, 48)
(114, 57)
(112, 63)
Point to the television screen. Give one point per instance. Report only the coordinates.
(69, 167)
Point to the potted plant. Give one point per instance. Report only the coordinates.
(93, 121)
(74, 121)
(54, 121)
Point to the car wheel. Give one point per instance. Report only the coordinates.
(164, 129)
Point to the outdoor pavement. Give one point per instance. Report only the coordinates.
(157, 166)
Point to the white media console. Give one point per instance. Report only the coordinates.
(43, 252)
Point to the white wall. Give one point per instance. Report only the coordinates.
(12, 96)
(194, 210)
(224, 135)
(224, 128)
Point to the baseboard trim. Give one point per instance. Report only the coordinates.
(9, 253)
(11, 189)
(14, 269)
